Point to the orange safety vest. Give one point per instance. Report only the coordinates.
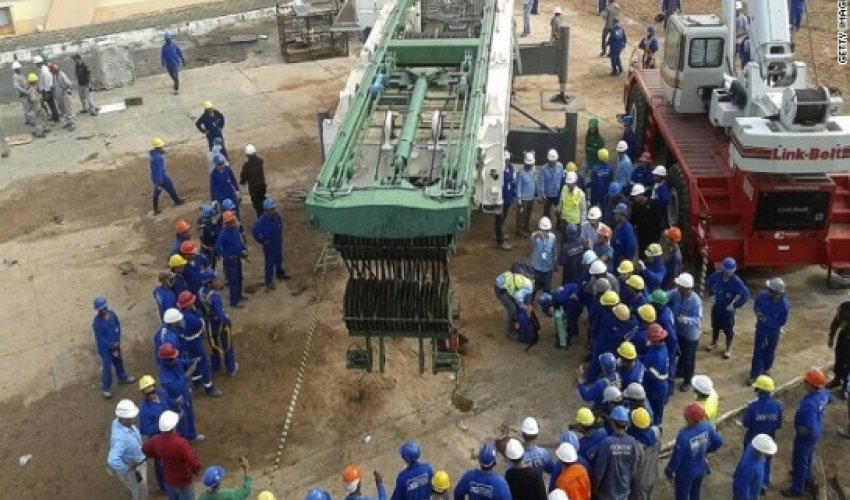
(575, 482)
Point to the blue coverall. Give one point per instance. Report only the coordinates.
(673, 265)
(770, 318)
(268, 232)
(178, 285)
(588, 443)
(600, 178)
(656, 380)
(608, 207)
(690, 309)
(616, 41)
(592, 392)
(726, 292)
(212, 125)
(624, 242)
(653, 274)
(624, 170)
(413, 482)
(149, 412)
(635, 373)
(631, 139)
(221, 340)
(477, 484)
(539, 458)
(612, 468)
(179, 238)
(165, 335)
(160, 179)
(798, 8)
(688, 463)
(660, 201)
(571, 307)
(643, 175)
(171, 58)
(107, 338)
(172, 378)
(165, 299)
(223, 186)
(543, 260)
(749, 475)
(570, 257)
(192, 272)
(607, 337)
(665, 318)
(193, 336)
(632, 299)
(762, 416)
(208, 234)
(231, 249)
(808, 421)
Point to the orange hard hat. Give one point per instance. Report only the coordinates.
(185, 299)
(815, 378)
(604, 231)
(656, 333)
(351, 473)
(228, 216)
(694, 412)
(645, 157)
(674, 233)
(188, 247)
(181, 226)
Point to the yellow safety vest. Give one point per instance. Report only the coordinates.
(515, 282)
(711, 406)
(571, 205)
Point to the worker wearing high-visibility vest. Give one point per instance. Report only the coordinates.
(573, 201)
(706, 396)
(513, 290)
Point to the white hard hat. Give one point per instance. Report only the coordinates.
(739, 6)
(514, 450)
(611, 394)
(776, 285)
(594, 213)
(37, 60)
(507, 155)
(598, 267)
(638, 189)
(635, 391)
(566, 453)
(250, 149)
(685, 280)
(545, 224)
(126, 409)
(172, 315)
(529, 159)
(622, 147)
(702, 384)
(168, 421)
(552, 155)
(16, 65)
(557, 10)
(571, 178)
(660, 171)
(558, 494)
(530, 427)
(764, 444)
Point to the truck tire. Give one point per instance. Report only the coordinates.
(679, 210)
(637, 109)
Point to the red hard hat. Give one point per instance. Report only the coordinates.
(181, 226)
(815, 378)
(53, 68)
(645, 157)
(604, 231)
(656, 333)
(694, 412)
(167, 351)
(351, 473)
(188, 247)
(185, 299)
(228, 216)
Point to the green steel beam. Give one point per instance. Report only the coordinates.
(411, 123)
(431, 52)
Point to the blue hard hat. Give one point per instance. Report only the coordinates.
(571, 231)
(614, 189)
(99, 303)
(167, 36)
(627, 120)
(650, 30)
(620, 414)
(570, 437)
(228, 204)
(219, 159)
(621, 208)
(269, 204)
(317, 494)
(608, 362)
(545, 301)
(207, 211)
(487, 455)
(207, 276)
(213, 476)
(729, 265)
(410, 451)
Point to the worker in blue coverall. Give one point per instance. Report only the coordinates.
(169, 331)
(414, 481)
(664, 317)
(652, 270)
(592, 391)
(508, 196)
(107, 338)
(635, 294)
(211, 124)
(660, 194)
(615, 197)
(268, 232)
(624, 240)
(729, 294)
(567, 299)
(589, 430)
(612, 327)
(628, 121)
(209, 225)
(171, 58)
(159, 175)
(688, 464)
(177, 264)
(220, 327)
(232, 250)
(808, 423)
(544, 258)
(614, 458)
(163, 295)
(687, 310)
(748, 479)
(642, 173)
(771, 308)
(797, 8)
(629, 367)
(483, 483)
(551, 181)
(155, 402)
(174, 373)
(616, 41)
(625, 165)
(181, 235)
(649, 47)
(656, 379)
(351, 481)
(534, 456)
(223, 185)
(763, 416)
(194, 337)
(601, 177)
(195, 265)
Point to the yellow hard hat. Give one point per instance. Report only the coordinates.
(636, 282)
(32, 78)
(621, 312)
(647, 313)
(440, 483)
(602, 154)
(571, 167)
(266, 495)
(640, 417)
(585, 417)
(627, 350)
(145, 382)
(654, 250)
(626, 267)
(609, 298)
(764, 383)
(208, 105)
(176, 260)
(157, 142)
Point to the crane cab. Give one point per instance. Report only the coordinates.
(694, 52)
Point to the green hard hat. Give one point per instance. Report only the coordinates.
(658, 297)
(593, 123)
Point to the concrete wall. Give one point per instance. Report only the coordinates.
(28, 14)
(111, 10)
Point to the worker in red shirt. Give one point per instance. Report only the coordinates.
(180, 464)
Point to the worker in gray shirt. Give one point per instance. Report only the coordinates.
(19, 83)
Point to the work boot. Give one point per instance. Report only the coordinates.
(282, 275)
(106, 394)
(789, 493)
(179, 201)
(727, 354)
(710, 347)
(505, 246)
(685, 387)
(199, 438)
(270, 286)
(213, 392)
(129, 380)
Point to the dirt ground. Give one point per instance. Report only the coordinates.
(100, 228)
